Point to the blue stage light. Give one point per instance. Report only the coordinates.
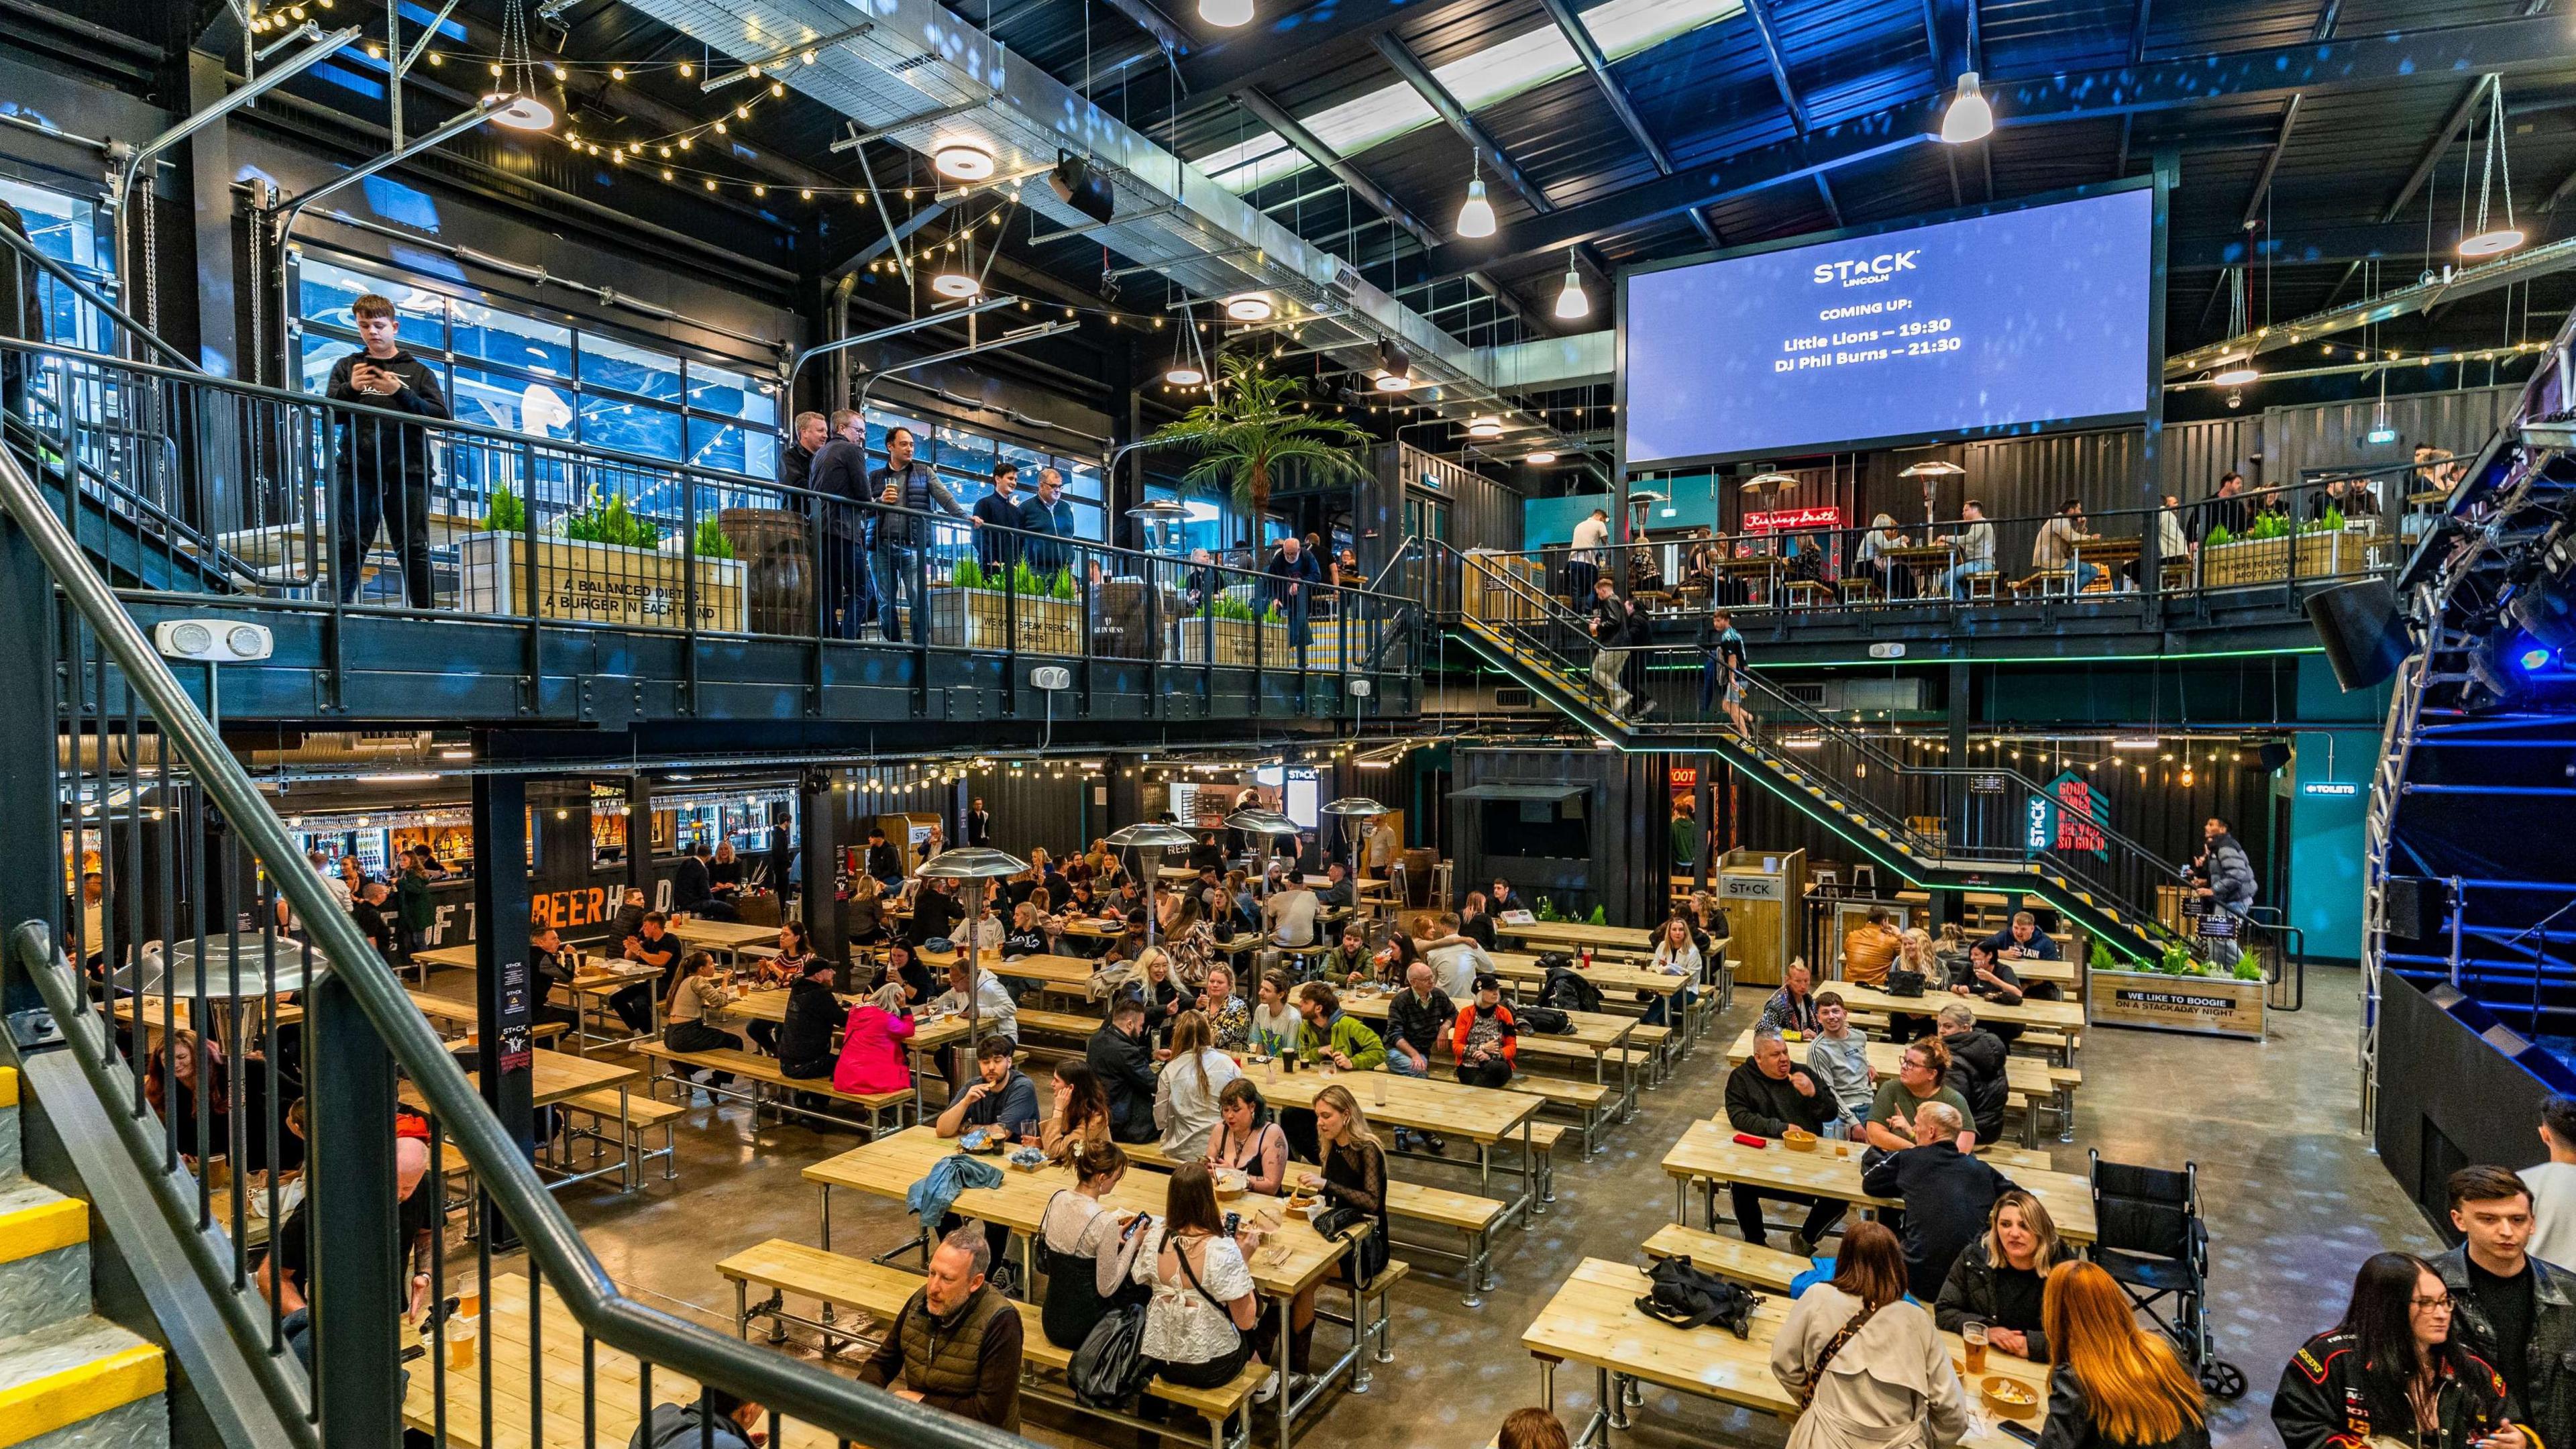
(2532, 658)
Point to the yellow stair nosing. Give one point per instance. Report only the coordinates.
(8, 1086)
(42, 1228)
(81, 1392)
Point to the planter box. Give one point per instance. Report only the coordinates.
(1230, 640)
(991, 619)
(598, 583)
(2330, 555)
(2252, 561)
(2201, 1005)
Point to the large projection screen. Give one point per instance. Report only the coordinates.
(2040, 317)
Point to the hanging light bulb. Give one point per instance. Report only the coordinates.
(1573, 302)
(1476, 218)
(1969, 117)
(1226, 14)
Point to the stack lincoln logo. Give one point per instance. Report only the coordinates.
(1866, 273)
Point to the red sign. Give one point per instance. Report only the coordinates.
(1789, 520)
(1683, 777)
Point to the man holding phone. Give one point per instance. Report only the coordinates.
(383, 464)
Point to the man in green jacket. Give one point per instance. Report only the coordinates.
(1331, 1036)
(1685, 835)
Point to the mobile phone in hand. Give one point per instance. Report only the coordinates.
(1234, 1224)
(2023, 1432)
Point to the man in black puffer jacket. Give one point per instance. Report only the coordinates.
(805, 1032)
(1976, 1068)
(1766, 1096)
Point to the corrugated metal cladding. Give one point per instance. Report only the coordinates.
(1483, 512)
(2156, 811)
(1032, 810)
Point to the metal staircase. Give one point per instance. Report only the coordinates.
(1931, 825)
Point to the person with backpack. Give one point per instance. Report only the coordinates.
(1484, 1043)
(1867, 1366)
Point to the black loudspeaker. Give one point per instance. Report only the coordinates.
(2272, 756)
(2405, 900)
(2363, 633)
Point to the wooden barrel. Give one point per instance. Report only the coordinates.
(775, 548)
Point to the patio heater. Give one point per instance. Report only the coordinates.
(1355, 811)
(1269, 824)
(978, 866)
(1139, 838)
(1929, 474)
(1158, 515)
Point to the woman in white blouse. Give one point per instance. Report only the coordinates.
(1866, 1363)
(1185, 1094)
(1198, 1324)
(1676, 954)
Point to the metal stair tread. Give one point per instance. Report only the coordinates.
(36, 1219)
(64, 1373)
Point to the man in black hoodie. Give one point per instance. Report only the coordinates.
(1766, 1096)
(840, 475)
(1122, 1056)
(805, 1030)
(1948, 1196)
(1976, 1068)
(383, 472)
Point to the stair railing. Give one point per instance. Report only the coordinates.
(189, 938)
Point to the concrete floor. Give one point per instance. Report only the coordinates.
(2294, 1198)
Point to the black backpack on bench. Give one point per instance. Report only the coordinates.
(1690, 1297)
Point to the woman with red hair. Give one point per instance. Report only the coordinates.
(2114, 1386)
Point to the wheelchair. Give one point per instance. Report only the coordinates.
(2150, 1237)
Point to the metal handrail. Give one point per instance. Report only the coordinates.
(87, 293)
(837, 1405)
(592, 453)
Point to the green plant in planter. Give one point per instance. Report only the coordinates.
(1062, 588)
(2217, 537)
(505, 512)
(1600, 916)
(1234, 609)
(1546, 910)
(968, 574)
(2247, 969)
(1026, 580)
(612, 523)
(2101, 958)
(1273, 616)
(2270, 525)
(2330, 521)
(712, 542)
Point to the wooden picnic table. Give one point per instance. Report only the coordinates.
(1708, 1152)
(555, 1077)
(1486, 1116)
(155, 1018)
(2062, 1016)
(1598, 1033)
(1581, 933)
(1593, 1321)
(769, 1004)
(2027, 1080)
(452, 958)
(888, 1167)
(615, 1404)
(722, 935)
(604, 978)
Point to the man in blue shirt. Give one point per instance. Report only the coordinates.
(1050, 515)
(994, 513)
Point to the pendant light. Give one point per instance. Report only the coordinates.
(1572, 302)
(1969, 117)
(1476, 218)
(963, 160)
(2489, 239)
(1226, 14)
(517, 71)
(1484, 427)
(956, 283)
(1540, 459)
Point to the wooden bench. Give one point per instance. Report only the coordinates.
(640, 1115)
(880, 1291)
(1469, 1216)
(1586, 1098)
(761, 1073)
(1071, 1024)
(1768, 1269)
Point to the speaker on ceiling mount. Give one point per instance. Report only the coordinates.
(2362, 629)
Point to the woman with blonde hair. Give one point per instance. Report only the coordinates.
(2113, 1385)
(1867, 1366)
(1914, 953)
(1185, 1091)
(1999, 1278)
(1354, 1182)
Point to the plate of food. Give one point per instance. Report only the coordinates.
(1026, 1159)
(2008, 1397)
(1232, 1182)
(1798, 1139)
(1302, 1205)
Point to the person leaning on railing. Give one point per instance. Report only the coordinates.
(908, 484)
(1047, 515)
(839, 474)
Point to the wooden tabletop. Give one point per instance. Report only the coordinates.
(615, 1406)
(1597, 1032)
(1593, 1320)
(1095, 928)
(1177, 873)
(1709, 1150)
(610, 977)
(723, 935)
(2028, 1078)
(2060, 1015)
(990, 958)
(288, 1012)
(553, 1077)
(1937, 551)
(1453, 1109)
(1580, 933)
(1522, 969)
(1065, 973)
(889, 1166)
(453, 958)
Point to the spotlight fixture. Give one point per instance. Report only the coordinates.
(1484, 427)
(1539, 459)
(1573, 302)
(1226, 14)
(1078, 186)
(1250, 307)
(963, 160)
(1969, 117)
(1476, 218)
(1395, 367)
(960, 285)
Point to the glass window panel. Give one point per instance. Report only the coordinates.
(525, 343)
(319, 352)
(62, 227)
(325, 292)
(1081, 478)
(627, 427)
(734, 394)
(730, 448)
(522, 405)
(880, 423)
(607, 363)
(967, 457)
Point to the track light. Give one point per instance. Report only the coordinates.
(1476, 218)
(1573, 302)
(963, 160)
(1969, 117)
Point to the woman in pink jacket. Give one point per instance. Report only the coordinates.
(872, 1055)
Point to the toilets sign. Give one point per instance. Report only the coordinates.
(2067, 816)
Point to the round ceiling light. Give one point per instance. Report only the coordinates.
(1539, 459)
(1184, 373)
(960, 285)
(963, 160)
(1250, 307)
(1484, 427)
(2237, 375)
(1226, 14)
(2492, 243)
(1393, 382)
(523, 113)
